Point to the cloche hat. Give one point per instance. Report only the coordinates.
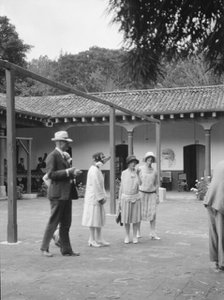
(61, 136)
(131, 158)
(149, 154)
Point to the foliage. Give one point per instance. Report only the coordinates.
(42, 191)
(12, 48)
(154, 30)
(97, 69)
(201, 187)
(188, 72)
(117, 187)
(19, 191)
(44, 67)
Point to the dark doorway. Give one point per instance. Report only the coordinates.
(194, 163)
(121, 153)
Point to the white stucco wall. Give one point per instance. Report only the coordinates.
(88, 140)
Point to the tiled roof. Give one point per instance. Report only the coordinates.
(150, 102)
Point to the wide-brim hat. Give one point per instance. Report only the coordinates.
(131, 158)
(149, 154)
(61, 136)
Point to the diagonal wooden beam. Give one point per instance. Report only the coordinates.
(68, 89)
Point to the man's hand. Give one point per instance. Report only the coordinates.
(77, 172)
(71, 170)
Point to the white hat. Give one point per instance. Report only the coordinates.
(61, 136)
(148, 154)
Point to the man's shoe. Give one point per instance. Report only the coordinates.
(221, 268)
(46, 253)
(71, 254)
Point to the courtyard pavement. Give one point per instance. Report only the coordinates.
(176, 267)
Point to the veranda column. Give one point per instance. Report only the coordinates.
(2, 165)
(112, 161)
(207, 126)
(11, 158)
(207, 153)
(130, 142)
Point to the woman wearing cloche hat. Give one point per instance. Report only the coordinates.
(149, 193)
(95, 198)
(129, 199)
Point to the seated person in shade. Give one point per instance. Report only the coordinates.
(41, 165)
(20, 166)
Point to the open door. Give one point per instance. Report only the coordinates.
(120, 160)
(194, 163)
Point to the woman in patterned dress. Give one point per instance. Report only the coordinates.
(149, 194)
(95, 197)
(129, 199)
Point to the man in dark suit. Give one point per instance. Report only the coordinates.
(61, 177)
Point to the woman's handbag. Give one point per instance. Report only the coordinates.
(118, 219)
(74, 192)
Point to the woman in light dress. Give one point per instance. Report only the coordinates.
(95, 198)
(129, 199)
(149, 194)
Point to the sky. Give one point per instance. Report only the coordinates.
(62, 26)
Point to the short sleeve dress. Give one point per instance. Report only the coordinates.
(130, 198)
(148, 192)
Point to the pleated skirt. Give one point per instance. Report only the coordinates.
(130, 209)
(149, 204)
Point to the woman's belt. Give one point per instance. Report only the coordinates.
(152, 192)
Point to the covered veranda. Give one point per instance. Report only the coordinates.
(11, 70)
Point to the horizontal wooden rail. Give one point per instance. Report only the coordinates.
(68, 89)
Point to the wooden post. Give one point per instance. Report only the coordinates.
(11, 158)
(158, 151)
(2, 165)
(29, 167)
(130, 142)
(112, 161)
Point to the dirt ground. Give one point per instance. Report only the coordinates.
(176, 267)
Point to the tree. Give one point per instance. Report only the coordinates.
(154, 30)
(46, 68)
(188, 72)
(94, 70)
(12, 48)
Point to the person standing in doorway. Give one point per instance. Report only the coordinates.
(61, 177)
(129, 199)
(214, 202)
(149, 194)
